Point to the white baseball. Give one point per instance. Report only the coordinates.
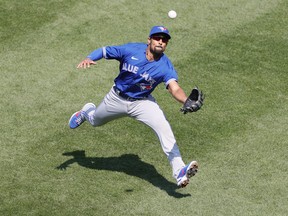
(172, 14)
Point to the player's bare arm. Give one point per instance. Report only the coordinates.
(177, 92)
(86, 63)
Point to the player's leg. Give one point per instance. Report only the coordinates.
(148, 112)
(112, 107)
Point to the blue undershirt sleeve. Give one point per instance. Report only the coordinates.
(96, 54)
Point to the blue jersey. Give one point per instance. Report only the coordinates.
(138, 77)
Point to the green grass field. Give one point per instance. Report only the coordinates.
(236, 51)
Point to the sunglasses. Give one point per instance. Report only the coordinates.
(158, 38)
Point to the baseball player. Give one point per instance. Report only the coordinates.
(142, 67)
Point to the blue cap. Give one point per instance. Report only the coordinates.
(159, 30)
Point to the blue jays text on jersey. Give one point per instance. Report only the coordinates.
(138, 77)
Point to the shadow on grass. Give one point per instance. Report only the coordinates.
(127, 163)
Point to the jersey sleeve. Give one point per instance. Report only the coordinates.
(96, 54)
(114, 52)
(109, 52)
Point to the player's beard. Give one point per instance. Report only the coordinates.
(157, 51)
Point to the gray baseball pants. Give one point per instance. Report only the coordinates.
(147, 111)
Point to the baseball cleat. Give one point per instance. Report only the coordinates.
(186, 173)
(76, 120)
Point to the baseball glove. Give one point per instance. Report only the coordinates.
(194, 101)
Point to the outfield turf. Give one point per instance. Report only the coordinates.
(234, 50)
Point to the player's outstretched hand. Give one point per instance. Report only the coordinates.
(86, 63)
